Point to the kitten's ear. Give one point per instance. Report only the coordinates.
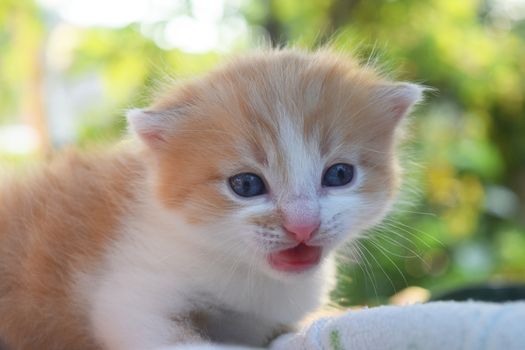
(399, 98)
(151, 127)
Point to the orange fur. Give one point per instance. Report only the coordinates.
(51, 223)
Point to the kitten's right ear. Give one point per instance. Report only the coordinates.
(151, 127)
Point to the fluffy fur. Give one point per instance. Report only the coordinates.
(146, 246)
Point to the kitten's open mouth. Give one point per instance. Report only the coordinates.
(296, 259)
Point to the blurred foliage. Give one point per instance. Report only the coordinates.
(461, 219)
(21, 35)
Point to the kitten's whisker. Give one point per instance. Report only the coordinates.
(416, 212)
(399, 227)
(380, 266)
(421, 232)
(382, 250)
(394, 242)
(357, 259)
(367, 266)
(399, 244)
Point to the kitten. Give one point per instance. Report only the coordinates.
(217, 224)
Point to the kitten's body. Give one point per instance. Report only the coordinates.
(147, 247)
(85, 225)
(52, 224)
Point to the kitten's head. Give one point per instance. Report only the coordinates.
(279, 156)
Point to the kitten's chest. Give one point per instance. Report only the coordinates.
(245, 314)
(228, 326)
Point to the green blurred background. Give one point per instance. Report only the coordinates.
(69, 68)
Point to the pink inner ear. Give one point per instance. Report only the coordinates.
(149, 126)
(153, 137)
(402, 97)
(400, 108)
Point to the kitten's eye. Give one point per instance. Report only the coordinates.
(247, 185)
(338, 175)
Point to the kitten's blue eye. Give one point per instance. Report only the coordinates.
(247, 185)
(338, 175)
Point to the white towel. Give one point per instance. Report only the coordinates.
(432, 326)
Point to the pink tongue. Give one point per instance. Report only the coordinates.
(298, 258)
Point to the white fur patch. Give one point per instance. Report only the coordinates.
(155, 272)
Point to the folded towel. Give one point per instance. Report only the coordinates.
(432, 326)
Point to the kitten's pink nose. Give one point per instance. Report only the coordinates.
(302, 231)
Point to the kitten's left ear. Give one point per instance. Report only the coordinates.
(399, 98)
(152, 127)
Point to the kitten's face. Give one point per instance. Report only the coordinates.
(278, 158)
